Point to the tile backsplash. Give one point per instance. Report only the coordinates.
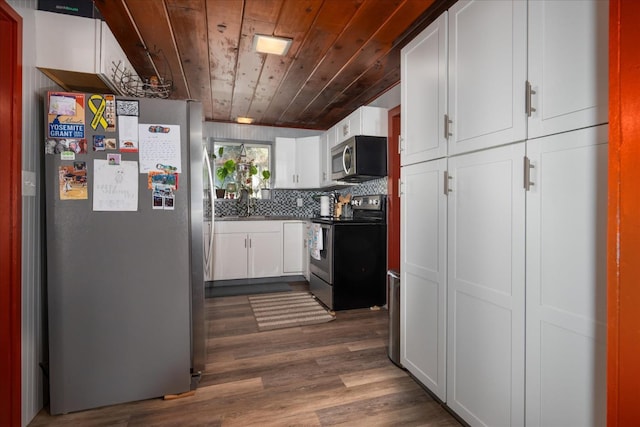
(285, 202)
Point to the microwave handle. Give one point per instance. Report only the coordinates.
(344, 167)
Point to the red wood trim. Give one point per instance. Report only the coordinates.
(393, 196)
(623, 246)
(612, 214)
(10, 215)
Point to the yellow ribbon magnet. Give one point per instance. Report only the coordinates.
(97, 111)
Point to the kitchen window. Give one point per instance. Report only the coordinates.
(258, 153)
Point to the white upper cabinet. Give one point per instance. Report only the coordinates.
(308, 162)
(487, 73)
(82, 50)
(325, 171)
(424, 95)
(91, 48)
(297, 162)
(371, 121)
(285, 163)
(568, 65)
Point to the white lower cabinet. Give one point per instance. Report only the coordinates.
(247, 249)
(566, 279)
(265, 254)
(230, 256)
(486, 292)
(423, 296)
(293, 247)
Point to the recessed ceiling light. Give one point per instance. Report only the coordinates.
(270, 44)
(244, 120)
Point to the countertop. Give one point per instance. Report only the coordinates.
(259, 218)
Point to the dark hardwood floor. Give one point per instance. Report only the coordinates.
(336, 373)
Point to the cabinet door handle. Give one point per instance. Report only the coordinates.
(527, 174)
(249, 243)
(400, 141)
(447, 177)
(245, 243)
(447, 124)
(528, 91)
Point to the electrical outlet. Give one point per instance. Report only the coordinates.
(299, 202)
(28, 183)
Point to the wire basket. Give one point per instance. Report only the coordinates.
(130, 84)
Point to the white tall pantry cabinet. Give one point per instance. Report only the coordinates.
(566, 279)
(424, 273)
(503, 211)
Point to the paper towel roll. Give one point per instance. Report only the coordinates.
(325, 209)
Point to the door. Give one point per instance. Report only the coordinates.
(424, 94)
(569, 91)
(10, 216)
(485, 348)
(423, 292)
(487, 73)
(393, 190)
(566, 279)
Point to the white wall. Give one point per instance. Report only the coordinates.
(34, 83)
(251, 132)
(390, 99)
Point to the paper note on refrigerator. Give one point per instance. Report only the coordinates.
(159, 147)
(115, 187)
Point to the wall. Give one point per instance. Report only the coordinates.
(236, 131)
(33, 291)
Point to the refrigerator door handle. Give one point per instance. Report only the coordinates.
(208, 250)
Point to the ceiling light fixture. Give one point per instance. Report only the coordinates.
(244, 120)
(270, 44)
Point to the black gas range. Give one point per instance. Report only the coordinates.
(348, 269)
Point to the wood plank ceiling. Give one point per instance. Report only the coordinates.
(344, 53)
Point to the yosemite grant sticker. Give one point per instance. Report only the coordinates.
(65, 117)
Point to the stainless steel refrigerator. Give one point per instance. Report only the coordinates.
(125, 288)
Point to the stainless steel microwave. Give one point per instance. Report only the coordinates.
(359, 158)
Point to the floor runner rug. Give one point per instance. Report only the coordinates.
(284, 310)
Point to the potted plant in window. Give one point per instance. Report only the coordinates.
(265, 191)
(222, 173)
